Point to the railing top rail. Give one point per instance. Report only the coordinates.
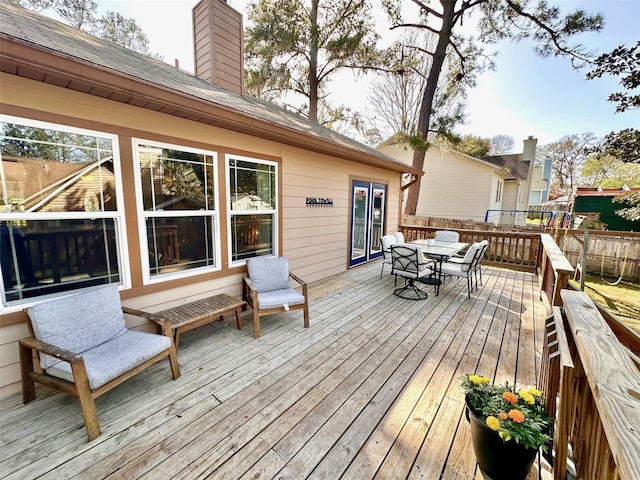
(558, 261)
(494, 233)
(613, 378)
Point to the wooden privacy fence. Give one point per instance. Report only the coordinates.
(459, 224)
(598, 384)
(516, 250)
(608, 253)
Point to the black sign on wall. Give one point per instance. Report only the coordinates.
(319, 202)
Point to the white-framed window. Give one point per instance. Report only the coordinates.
(499, 191)
(252, 198)
(176, 189)
(61, 211)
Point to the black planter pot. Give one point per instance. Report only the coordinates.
(499, 460)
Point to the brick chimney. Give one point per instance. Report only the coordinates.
(219, 45)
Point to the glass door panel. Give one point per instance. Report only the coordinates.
(368, 215)
(377, 218)
(359, 223)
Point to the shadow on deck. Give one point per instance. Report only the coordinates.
(371, 390)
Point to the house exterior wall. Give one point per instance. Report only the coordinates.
(453, 186)
(509, 202)
(316, 240)
(538, 186)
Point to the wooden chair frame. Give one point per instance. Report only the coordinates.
(250, 296)
(80, 387)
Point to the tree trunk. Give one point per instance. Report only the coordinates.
(313, 63)
(426, 107)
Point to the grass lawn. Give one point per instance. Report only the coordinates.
(623, 299)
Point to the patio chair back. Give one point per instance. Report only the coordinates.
(408, 260)
(447, 236)
(386, 241)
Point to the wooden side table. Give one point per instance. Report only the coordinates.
(197, 313)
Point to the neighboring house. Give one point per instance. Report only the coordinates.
(118, 168)
(456, 185)
(597, 203)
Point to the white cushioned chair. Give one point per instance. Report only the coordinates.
(386, 241)
(464, 268)
(408, 262)
(399, 237)
(477, 268)
(267, 290)
(85, 348)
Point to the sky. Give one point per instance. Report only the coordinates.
(526, 95)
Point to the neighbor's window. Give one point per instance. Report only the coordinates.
(499, 191)
(176, 190)
(61, 216)
(252, 204)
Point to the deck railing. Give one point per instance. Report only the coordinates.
(598, 385)
(590, 367)
(515, 250)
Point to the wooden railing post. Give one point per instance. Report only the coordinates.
(605, 433)
(556, 270)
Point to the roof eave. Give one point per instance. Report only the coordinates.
(33, 61)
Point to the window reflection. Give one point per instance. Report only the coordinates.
(44, 257)
(59, 209)
(252, 188)
(179, 243)
(177, 188)
(252, 236)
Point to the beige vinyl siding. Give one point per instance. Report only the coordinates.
(453, 186)
(510, 195)
(316, 239)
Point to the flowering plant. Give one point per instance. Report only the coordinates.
(515, 414)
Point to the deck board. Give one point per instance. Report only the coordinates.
(371, 390)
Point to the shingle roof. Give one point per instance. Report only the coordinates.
(513, 163)
(60, 39)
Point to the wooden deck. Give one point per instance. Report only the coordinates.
(371, 390)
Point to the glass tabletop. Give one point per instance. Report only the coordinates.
(440, 249)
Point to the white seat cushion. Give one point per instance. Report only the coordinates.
(279, 298)
(115, 357)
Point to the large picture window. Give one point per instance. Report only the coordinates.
(252, 199)
(177, 195)
(61, 212)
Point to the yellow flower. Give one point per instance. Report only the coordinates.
(478, 379)
(535, 392)
(493, 423)
(504, 435)
(516, 415)
(510, 397)
(527, 397)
